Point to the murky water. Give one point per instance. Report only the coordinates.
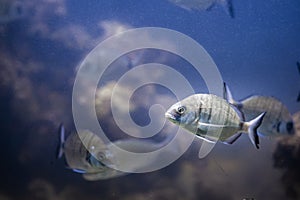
(45, 43)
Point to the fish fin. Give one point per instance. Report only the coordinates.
(237, 106)
(60, 149)
(205, 139)
(228, 7)
(201, 124)
(103, 175)
(79, 171)
(233, 138)
(227, 95)
(252, 129)
(239, 112)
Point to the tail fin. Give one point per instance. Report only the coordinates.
(228, 6)
(252, 129)
(60, 149)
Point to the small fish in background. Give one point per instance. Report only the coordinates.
(296, 120)
(213, 119)
(277, 121)
(94, 162)
(205, 5)
(298, 65)
(11, 10)
(99, 160)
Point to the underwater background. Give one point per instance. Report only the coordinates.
(41, 47)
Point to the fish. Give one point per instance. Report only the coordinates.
(298, 65)
(296, 120)
(92, 162)
(99, 161)
(277, 121)
(205, 5)
(213, 119)
(11, 10)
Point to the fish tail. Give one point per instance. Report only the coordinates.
(60, 149)
(252, 127)
(228, 6)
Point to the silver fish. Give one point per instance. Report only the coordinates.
(212, 118)
(98, 161)
(205, 5)
(277, 121)
(93, 162)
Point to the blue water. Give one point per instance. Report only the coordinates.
(256, 53)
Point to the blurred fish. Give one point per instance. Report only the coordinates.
(298, 65)
(277, 121)
(11, 10)
(212, 118)
(296, 120)
(205, 5)
(99, 160)
(92, 161)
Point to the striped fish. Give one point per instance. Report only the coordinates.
(97, 161)
(277, 121)
(212, 119)
(92, 161)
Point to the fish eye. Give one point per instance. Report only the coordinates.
(100, 156)
(181, 110)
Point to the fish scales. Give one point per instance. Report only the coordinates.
(214, 111)
(277, 119)
(77, 149)
(220, 113)
(257, 104)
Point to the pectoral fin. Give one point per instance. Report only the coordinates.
(60, 147)
(205, 139)
(79, 171)
(201, 125)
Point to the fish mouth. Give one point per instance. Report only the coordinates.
(170, 117)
